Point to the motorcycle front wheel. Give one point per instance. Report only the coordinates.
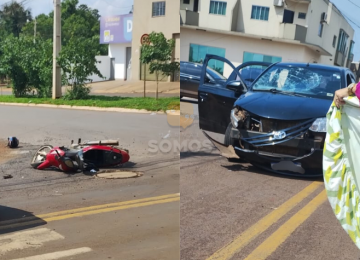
(40, 155)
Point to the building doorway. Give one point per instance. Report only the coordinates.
(112, 68)
(128, 64)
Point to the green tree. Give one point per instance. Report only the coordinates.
(44, 27)
(13, 17)
(77, 61)
(27, 64)
(158, 53)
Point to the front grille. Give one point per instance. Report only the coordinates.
(277, 131)
(269, 125)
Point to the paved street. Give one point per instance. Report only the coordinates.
(52, 215)
(236, 211)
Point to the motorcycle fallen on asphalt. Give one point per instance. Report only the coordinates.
(81, 156)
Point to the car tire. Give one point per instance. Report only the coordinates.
(229, 141)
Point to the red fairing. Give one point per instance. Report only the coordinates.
(52, 160)
(125, 157)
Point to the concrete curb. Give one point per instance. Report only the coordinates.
(103, 109)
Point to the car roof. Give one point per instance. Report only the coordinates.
(313, 65)
(295, 64)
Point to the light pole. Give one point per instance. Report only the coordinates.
(56, 89)
(34, 30)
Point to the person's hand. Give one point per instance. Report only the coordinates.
(339, 97)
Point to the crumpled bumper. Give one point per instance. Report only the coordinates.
(309, 165)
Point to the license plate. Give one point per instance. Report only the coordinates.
(288, 166)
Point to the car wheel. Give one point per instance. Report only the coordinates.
(229, 141)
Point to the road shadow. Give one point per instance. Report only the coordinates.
(257, 170)
(13, 220)
(188, 154)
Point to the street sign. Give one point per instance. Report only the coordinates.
(145, 39)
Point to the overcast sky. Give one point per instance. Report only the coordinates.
(105, 7)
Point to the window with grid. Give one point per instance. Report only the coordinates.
(217, 7)
(260, 13)
(158, 8)
(302, 16)
(343, 38)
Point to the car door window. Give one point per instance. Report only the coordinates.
(250, 73)
(350, 78)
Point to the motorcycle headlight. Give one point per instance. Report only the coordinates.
(319, 125)
(233, 118)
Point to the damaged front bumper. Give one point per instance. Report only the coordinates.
(306, 165)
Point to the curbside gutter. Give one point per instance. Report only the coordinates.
(102, 109)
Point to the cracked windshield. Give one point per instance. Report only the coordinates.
(310, 82)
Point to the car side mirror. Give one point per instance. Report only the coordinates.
(207, 79)
(236, 86)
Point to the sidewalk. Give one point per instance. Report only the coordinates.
(125, 88)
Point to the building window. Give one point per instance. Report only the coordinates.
(321, 27)
(302, 16)
(351, 51)
(186, 2)
(334, 41)
(248, 56)
(260, 13)
(217, 7)
(198, 52)
(343, 37)
(158, 8)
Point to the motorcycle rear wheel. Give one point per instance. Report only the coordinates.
(40, 155)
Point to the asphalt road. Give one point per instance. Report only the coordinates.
(236, 211)
(51, 215)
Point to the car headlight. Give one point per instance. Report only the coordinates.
(319, 125)
(233, 118)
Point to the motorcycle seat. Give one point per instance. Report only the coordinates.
(71, 153)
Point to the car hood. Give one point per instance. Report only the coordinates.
(283, 107)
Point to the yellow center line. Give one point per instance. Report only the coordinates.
(39, 219)
(263, 224)
(279, 236)
(72, 211)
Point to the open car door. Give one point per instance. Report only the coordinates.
(217, 97)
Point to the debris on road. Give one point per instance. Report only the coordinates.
(116, 174)
(8, 176)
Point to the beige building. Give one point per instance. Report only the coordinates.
(266, 30)
(149, 16)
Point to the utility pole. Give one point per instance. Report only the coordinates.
(34, 30)
(56, 89)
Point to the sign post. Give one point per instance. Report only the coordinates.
(144, 40)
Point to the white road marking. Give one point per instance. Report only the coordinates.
(27, 239)
(58, 255)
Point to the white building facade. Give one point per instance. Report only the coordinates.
(265, 30)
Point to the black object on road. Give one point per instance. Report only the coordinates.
(13, 142)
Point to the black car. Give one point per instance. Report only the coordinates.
(190, 78)
(278, 122)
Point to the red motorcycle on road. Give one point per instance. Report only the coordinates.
(86, 156)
